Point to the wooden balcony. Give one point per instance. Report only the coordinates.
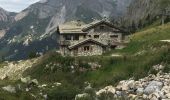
(64, 43)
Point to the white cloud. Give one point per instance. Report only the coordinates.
(16, 5)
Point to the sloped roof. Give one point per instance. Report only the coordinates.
(98, 22)
(85, 41)
(73, 27)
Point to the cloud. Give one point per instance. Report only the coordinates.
(16, 5)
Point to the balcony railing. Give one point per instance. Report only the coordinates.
(64, 42)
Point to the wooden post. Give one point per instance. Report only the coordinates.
(163, 16)
(163, 20)
(165, 13)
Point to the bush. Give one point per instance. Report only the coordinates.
(32, 55)
(62, 93)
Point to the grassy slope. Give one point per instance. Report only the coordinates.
(144, 51)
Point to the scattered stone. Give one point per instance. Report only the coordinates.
(153, 87)
(108, 89)
(9, 88)
(140, 91)
(158, 67)
(88, 86)
(34, 81)
(25, 80)
(57, 84)
(14, 70)
(79, 96)
(44, 85)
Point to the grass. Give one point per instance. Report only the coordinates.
(143, 51)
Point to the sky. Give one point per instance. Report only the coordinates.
(16, 5)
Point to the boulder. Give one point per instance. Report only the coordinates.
(126, 85)
(166, 89)
(79, 96)
(140, 91)
(144, 96)
(108, 89)
(132, 96)
(158, 67)
(9, 88)
(153, 87)
(154, 96)
(118, 93)
(57, 83)
(34, 81)
(168, 95)
(25, 80)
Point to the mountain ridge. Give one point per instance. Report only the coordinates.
(38, 23)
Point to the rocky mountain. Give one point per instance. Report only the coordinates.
(6, 18)
(146, 10)
(34, 27)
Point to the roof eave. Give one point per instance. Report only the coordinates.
(73, 33)
(89, 40)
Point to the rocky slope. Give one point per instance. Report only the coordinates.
(152, 87)
(14, 70)
(145, 10)
(6, 18)
(36, 24)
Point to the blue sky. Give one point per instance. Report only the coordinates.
(16, 5)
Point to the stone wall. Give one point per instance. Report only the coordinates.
(94, 49)
(105, 34)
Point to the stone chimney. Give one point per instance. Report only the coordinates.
(78, 23)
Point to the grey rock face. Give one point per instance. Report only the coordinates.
(145, 9)
(153, 86)
(6, 18)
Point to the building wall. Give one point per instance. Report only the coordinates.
(105, 34)
(94, 49)
(64, 50)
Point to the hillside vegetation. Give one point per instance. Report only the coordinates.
(144, 51)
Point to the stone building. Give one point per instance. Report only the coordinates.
(78, 39)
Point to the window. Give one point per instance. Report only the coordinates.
(67, 37)
(86, 48)
(113, 36)
(84, 36)
(76, 37)
(96, 36)
(102, 27)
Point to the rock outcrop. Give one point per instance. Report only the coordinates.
(153, 87)
(14, 70)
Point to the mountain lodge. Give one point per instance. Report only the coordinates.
(78, 39)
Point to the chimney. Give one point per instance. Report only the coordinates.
(78, 23)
